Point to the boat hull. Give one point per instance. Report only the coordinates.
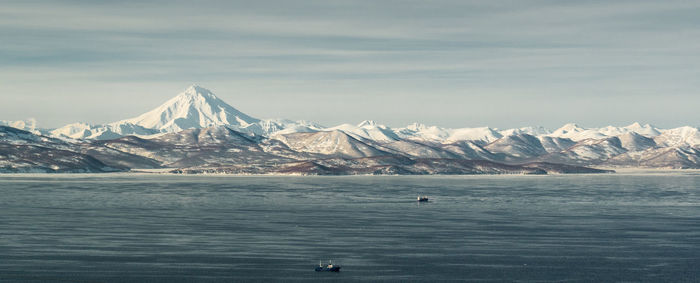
(325, 268)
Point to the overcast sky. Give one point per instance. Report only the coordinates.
(451, 63)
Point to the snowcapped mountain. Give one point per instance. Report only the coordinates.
(483, 134)
(329, 143)
(574, 132)
(101, 132)
(518, 146)
(589, 151)
(25, 152)
(423, 132)
(645, 130)
(682, 136)
(15, 136)
(533, 131)
(433, 133)
(197, 128)
(283, 126)
(633, 141)
(577, 133)
(196, 107)
(28, 125)
(554, 144)
(368, 130)
(658, 157)
(470, 150)
(219, 149)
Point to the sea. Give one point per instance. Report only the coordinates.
(624, 227)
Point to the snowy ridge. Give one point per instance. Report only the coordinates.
(198, 107)
(574, 132)
(196, 117)
(101, 132)
(329, 143)
(368, 130)
(28, 125)
(446, 135)
(683, 136)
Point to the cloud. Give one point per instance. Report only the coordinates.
(493, 51)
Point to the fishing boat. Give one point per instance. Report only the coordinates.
(422, 198)
(327, 267)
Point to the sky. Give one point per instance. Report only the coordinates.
(451, 63)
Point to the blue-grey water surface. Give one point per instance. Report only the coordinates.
(166, 228)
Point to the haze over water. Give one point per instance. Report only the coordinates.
(166, 228)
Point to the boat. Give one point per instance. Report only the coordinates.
(422, 198)
(328, 267)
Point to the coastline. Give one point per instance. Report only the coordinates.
(168, 171)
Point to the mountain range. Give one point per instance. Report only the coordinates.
(197, 132)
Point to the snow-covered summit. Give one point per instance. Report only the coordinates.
(645, 130)
(577, 133)
(27, 125)
(447, 135)
(681, 136)
(367, 130)
(196, 107)
(367, 123)
(568, 129)
(534, 131)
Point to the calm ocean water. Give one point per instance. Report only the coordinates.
(161, 228)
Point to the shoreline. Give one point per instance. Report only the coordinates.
(166, 172)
